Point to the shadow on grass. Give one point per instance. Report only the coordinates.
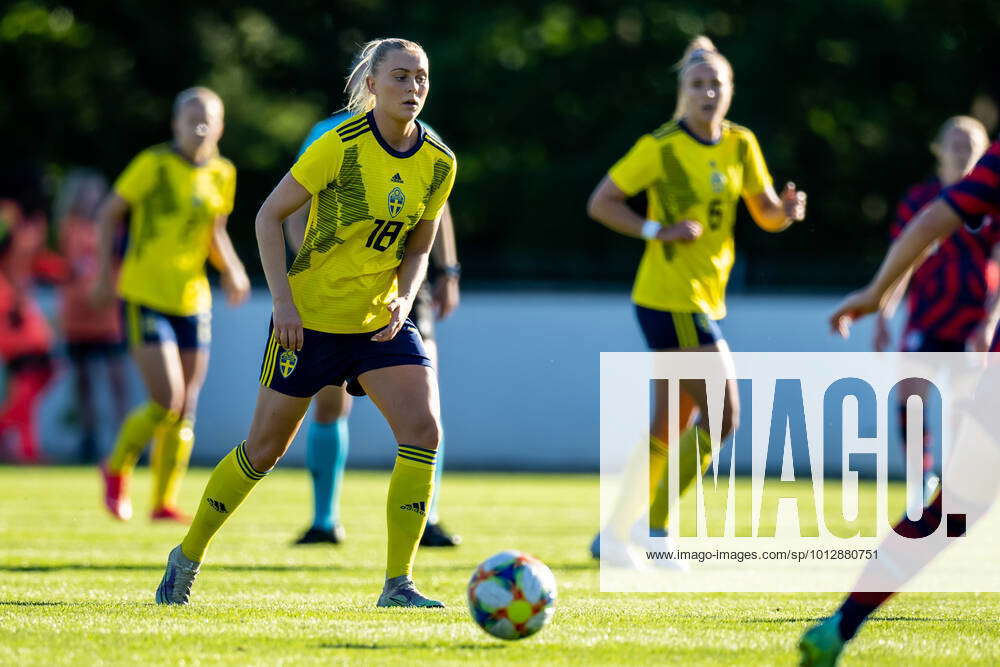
(409, 647)
(98, 567)
(30, 603)
(249, 567)
(816, 619)
(911, 619)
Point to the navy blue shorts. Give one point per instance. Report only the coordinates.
(333, 359)
(81, 351)
(915, 340)
(667, 330)
(145, 325)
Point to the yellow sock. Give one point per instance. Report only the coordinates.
(171, 453)
(631, 500)
(694, 455)
(410, 490)
(657, 463)
(135, 433)
(231, 482)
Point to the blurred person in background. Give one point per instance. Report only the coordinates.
(952, 299)
(26, 339)
(178, 196)
(93, 334)
(694, 169)
(327, 439)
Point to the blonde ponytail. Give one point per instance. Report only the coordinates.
(359, 98)
(699, 43)
(699, 50)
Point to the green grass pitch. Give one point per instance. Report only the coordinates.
(77, 587)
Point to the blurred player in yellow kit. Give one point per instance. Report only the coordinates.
(178, 197)
(694, 170)
(377, 182)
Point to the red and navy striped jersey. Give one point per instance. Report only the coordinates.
(978, 194)
(948, 292)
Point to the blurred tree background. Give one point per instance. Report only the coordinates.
(538, 99)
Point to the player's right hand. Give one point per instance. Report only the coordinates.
(287, 325)
(685, 230)
(854, 306)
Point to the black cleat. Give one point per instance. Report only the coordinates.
(321, 536)
(436, 536)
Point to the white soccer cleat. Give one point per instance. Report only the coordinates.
(665, 545)
(640, 530)
(175, 587)
(657, 541)
(617, 553)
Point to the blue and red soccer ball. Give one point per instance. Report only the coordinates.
(512, 595)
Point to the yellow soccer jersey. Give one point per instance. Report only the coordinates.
(688, 179)
(174, 204)
(367, 197)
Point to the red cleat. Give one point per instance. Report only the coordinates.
(170, 514)
(116, 495)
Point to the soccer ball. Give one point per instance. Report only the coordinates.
(512, 595)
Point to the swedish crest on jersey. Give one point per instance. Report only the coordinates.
(287, 362)
(396, 201)
(717, 179)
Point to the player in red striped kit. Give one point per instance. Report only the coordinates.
(971, 201)
(952, 295)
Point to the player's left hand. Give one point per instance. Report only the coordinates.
(794, 202)
(446, 296)
(854, 306)
(399, 309)
(236, 285)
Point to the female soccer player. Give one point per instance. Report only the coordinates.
(969, 201)
(327, 441)
(179, 196)
(952, 295)
(377, 182)
(694, 170)
(25, 336)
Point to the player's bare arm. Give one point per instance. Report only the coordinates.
(934, 222)
(287, 197)
(607, 206)
(775, 213)
(410, 274)
(223, 257)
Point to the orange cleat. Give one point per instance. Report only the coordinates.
(116, 494)
(169, 514)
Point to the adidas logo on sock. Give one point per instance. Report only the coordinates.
(396, 179)
(419, 508)
(217, 506)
